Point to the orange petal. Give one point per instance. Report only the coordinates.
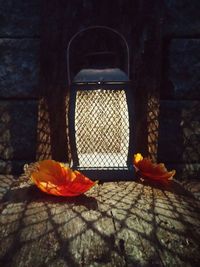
(51, 171)
(151, 170)
(54, 178)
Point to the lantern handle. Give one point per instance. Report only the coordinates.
(92, 28)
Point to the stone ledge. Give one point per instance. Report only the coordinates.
(115, 224)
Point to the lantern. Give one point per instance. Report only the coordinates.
(101, 118)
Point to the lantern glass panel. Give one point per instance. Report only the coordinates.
(102, 128)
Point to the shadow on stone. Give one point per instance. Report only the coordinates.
(33, 194)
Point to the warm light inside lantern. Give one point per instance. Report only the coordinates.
(102, 128)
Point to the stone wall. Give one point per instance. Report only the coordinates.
(179, 135)
(19, 70)
(179, 121)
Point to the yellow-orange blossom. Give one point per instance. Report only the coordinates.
(151, 170)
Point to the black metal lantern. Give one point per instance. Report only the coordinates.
(101, 118)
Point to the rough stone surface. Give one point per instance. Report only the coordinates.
(182, 17)
(19, 67)
(179, 132)
(18, 127)
(115, 224)
(19, 18)
(182, 79)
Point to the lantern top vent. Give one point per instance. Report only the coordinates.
(100, 75)
(107, 51)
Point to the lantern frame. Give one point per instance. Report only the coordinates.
(106, 173)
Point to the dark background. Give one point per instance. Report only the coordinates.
(164, 42)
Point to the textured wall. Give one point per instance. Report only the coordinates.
(182, 17)
(19, 70)
(179, 134)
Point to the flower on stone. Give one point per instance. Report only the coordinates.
(57, 179)
(147, 169)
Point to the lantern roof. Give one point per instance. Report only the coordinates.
(100, 75)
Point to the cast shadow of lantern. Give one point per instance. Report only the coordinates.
(153, 125)
(43, 150)
(46, 145)
(17, 135)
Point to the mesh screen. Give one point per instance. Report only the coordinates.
(102, 128)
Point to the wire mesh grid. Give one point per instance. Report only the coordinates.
(102, 128)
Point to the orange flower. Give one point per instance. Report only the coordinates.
(54, 178)
(151, 170)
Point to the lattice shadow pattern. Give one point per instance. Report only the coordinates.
(124, 224)
(190, 128)
(153, 125)
(43, 150)
(6, 149)
(17, 134)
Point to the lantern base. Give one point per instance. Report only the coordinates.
(108, 175)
